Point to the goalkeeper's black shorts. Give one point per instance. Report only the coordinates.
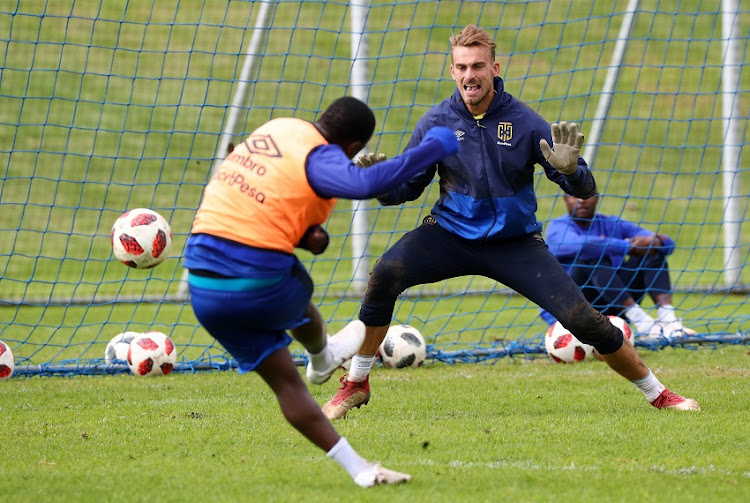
(429, 254)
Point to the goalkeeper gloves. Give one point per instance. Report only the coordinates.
(566, 147)
(367, 160)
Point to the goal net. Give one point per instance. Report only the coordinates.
(109, 106)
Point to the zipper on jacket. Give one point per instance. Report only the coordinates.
(486, 178)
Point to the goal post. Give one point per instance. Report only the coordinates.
(733, 141)
(360, 80)
(108, 106)
(249, 72)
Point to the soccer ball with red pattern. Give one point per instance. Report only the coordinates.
(7, 362)
(151, 354)
(402, 347)
(623, 326)
(141, 238)
(564, 347)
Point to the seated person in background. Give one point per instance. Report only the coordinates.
(616, 263)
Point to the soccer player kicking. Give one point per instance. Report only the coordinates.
(484, 221)
(247, 288)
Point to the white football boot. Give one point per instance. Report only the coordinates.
(377, 475)
(675, 329)
(341, 347)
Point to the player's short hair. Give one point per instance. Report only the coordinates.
(473, 36)
(348, 119)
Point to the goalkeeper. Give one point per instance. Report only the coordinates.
(269, 196)
(484, 221)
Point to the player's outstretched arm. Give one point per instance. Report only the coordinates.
(566, 147)
(416, 161)
(329, 177)
(331, 174)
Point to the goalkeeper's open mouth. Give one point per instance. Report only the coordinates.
(472, 89)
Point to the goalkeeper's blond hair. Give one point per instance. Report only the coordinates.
(473, 36)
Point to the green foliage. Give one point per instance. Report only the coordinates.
(519, 430)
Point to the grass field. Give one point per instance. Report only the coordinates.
(518, 430)
(112, 105)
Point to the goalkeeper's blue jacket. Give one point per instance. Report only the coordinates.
(487, 188)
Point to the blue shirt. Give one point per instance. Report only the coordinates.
(331, 174)
(487, 188)
(607, 236)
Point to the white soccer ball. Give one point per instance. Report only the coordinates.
(564, 347)
(151, 354)
(141, 238)
(623, 326)
(402, 347)
(117, 348)
(7, 362)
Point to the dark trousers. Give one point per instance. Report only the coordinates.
(429, 254)
(607, 287)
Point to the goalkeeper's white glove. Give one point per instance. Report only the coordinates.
(566, 147)
(367, 160)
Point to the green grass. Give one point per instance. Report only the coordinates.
(111, 105)
(519, 430)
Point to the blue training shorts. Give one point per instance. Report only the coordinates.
(249, 316)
